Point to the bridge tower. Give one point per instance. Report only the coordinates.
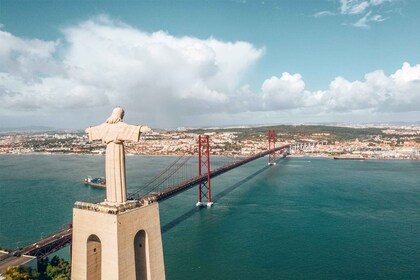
(271, 145)
(204, 189)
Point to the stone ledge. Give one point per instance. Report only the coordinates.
(105, 207)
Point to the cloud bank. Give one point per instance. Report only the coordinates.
(101, 63)
(377, 92)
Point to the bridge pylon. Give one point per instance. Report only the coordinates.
(204, 188)
(271, 145)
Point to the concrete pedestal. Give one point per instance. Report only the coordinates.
(112, 243)
(202, 204)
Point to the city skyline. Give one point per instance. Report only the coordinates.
(202, 63)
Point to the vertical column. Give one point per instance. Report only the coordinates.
(271, 145)
(204, 188)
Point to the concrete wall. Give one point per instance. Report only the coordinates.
(117, 234)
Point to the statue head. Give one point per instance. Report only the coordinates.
(116, 116)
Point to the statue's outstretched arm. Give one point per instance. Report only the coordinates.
(95, 133)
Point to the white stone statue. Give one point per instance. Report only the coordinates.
(113, 133)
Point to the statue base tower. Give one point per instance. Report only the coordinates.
(121, 242)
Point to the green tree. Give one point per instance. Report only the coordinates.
(21, 273)
(55, 269)
(58, 269)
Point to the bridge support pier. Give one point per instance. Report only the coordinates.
(204, 188)
(271, 145)
(121, 242)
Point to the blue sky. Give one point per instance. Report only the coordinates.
(202, 63)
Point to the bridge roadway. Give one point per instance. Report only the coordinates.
(39, 249)
(183, 186)
(60, 239)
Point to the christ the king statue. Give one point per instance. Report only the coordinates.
(113, 133)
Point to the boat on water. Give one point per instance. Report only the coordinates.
(99, 182)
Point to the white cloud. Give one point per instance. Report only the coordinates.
(101, 62)
(398, 92)
(364, 21)
(353, 7)
(366, 12)
(26, 57)
(379, 2)
(324, 14)
(166, 80)
(282, 93)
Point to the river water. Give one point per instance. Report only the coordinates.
(305, 218)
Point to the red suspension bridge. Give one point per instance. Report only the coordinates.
(173, 180)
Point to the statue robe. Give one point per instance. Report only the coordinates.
(114, 135)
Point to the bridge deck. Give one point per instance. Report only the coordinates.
(183, 186)
(39, 249)
(13, 260)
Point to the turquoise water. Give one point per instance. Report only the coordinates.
(302, 219)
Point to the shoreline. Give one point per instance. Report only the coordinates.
(159, 155)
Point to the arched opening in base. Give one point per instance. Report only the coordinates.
(94, 258)
(140, 253)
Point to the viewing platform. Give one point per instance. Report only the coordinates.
(104, 207)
